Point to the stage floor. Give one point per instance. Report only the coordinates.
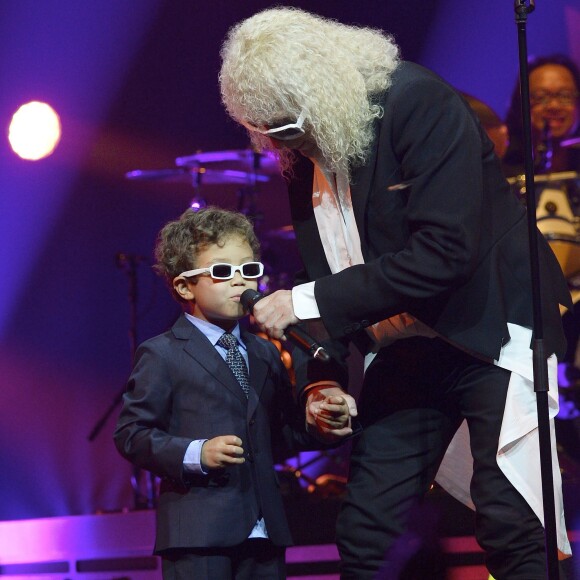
(118, 546)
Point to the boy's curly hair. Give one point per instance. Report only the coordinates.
(180, 241)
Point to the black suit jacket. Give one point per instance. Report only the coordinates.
(180, 390)
(442, 235)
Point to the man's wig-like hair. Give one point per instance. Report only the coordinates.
(284, 60)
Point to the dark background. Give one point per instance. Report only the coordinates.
(135, 84)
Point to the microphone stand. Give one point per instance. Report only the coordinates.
(539, 356)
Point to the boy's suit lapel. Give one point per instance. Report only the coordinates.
(199, 347)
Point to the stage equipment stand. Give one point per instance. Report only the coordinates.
(539, 356)
(142, 482)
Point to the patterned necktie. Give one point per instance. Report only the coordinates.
(235, 360)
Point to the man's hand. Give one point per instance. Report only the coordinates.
(222, 451)
(328, 413)
(274, 313)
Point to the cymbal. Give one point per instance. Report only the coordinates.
(283, 233)
(244, 159)
(544, 178)
(196, 176)
(573, 143)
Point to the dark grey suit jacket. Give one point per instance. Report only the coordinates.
(180, 390)
(449, 244)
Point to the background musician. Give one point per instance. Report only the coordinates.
(554, 100)
(495, 128)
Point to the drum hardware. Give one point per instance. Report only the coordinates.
(145, 484)
(242, 167)
(197, 176)
(519, 180)
(283, 233)
(323, 486)
(265, 163)
(556, 216)
(559, 225)
(573, 143)
(554, 204)
(545, 150)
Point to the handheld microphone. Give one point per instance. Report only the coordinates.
(300, 338)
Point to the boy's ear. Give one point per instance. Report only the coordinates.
(184, 290)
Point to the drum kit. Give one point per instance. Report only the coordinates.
(247, 171)
(557, 211)
(558, 219)
(244, 168)
(215, 168)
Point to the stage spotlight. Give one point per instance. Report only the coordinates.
(34, 131)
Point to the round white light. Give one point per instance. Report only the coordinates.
(34, 131)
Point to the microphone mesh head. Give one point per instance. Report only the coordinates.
(248, 298)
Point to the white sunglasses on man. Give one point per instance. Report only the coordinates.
(284, 132)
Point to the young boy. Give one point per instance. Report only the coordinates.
(206, 427)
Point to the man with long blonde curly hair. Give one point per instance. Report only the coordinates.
(415, 250)
(341, 122)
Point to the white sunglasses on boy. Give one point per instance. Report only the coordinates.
(224, 271)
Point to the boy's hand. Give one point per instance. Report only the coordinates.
(328, 413)
(222, 451)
